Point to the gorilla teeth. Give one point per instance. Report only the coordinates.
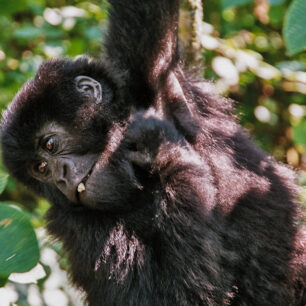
(81, 187)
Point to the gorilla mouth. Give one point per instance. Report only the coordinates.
(81, 187)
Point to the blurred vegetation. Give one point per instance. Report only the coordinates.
(254, 51)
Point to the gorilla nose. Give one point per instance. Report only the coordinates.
(67, 175)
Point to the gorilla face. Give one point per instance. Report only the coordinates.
(58, 164)
(86, 179)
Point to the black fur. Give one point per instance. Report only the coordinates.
(202, 216)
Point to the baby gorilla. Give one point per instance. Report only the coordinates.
(157, 194)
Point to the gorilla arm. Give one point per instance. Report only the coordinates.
(142, 43)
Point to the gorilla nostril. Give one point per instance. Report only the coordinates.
(65, 170)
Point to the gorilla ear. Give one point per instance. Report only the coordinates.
(89, 87)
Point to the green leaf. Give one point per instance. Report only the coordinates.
(76, 47)
(295, 27)
(3, 182)
(93, 33)
(11, 7)
(53, 33)
(277, 15)
(291, 65)
(40, 282)
(3, 281)
(28, 32)
(19, 246)
(229, 3)
(299, 133)
(276, 2)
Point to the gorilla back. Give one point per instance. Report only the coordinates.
(158, 195)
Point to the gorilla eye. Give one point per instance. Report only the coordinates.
(42, 167)
(50, 144)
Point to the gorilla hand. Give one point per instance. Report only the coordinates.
(144, 137)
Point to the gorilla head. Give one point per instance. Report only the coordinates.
(55, 136)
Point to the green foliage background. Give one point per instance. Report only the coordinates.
(270, 89)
